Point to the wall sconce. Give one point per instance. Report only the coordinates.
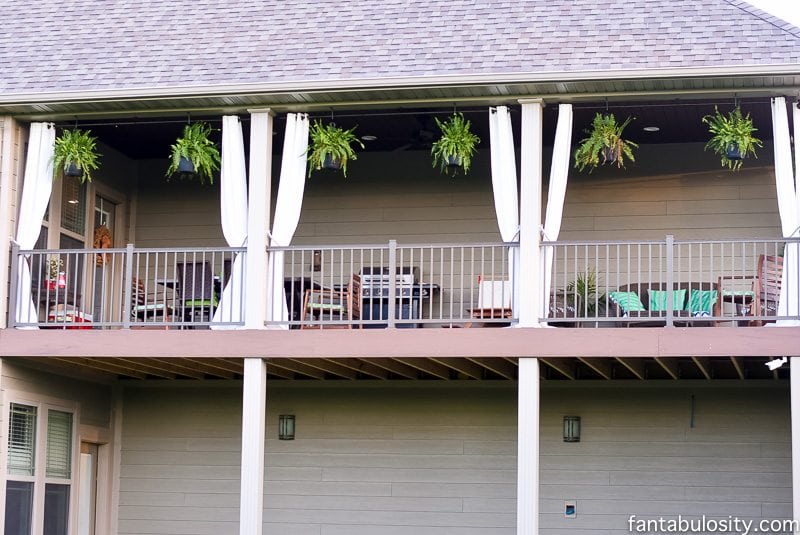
(572, 428)
(316, 260)
(286, 427)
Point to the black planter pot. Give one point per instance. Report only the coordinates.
(609, 155)
(453, 161)
(331, 163)
(74, 171)
(733, 152)
(185, 166)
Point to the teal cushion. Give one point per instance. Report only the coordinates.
(701, 301)
(658, 300)
(627, 301)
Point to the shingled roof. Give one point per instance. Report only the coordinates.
(83, 45)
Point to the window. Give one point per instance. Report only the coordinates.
(39, 467)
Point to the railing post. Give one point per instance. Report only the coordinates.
(392, 313)
(13, 287)
(670, 280)
(128, 287)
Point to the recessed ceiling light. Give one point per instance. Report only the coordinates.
(369, 137)
(651, 129)
(73, 201)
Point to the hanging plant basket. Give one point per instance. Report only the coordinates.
(331, 163)
(194, 154)
(185, 165)
(454, 150)
(605, 144)
(732, 137)
(73, 170)
(331, 147)
(75, 154)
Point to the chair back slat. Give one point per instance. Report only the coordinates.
(196, 280)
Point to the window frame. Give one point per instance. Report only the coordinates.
(43, 405)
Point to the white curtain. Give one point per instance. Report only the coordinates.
(36, 189)
(504, 186)
(288, 205)
(233, 211)
(788, 190)
(556, 192)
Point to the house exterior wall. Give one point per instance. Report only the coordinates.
(675, 189)
(393, 458)
(11, 147)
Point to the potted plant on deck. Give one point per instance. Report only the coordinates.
(732, 137)
(331, 147)
(75, 154)
(605, 144)
(454, 150)
(194, 154)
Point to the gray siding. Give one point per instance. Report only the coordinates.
(434, 460)
(94, 398)
(674, 189)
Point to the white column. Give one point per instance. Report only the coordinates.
(530, 215)
(528, 447)
(254, 401)
(794, 394)
(258, 217)
(6, 188)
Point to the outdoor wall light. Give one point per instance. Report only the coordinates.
(776, 363)
(316, 260)
(286, 427)
(572, 428)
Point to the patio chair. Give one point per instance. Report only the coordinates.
(149, 306)
(330, 304)
(762, 299)
(196, 291)
(767, 286)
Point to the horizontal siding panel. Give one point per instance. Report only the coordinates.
(366, 503)
(446, 490)
(637, 455)
(447, 476)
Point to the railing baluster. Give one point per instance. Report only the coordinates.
(128, 287)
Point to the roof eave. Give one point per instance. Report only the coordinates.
(331, 92)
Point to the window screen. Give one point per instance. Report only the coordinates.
(21, 439)
(59, 444)
(73, 205)
(19, 507)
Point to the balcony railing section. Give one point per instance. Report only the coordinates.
(391, 285)
(128, 288)
(670, 282)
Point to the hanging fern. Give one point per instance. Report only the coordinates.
(730, 134)
(605, 144)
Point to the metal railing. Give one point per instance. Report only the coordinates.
(128, 288)
(668, 282)
(593, 283)
(354, 286)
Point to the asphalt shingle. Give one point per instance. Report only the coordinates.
(75, 45)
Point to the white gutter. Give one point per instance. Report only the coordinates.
(392, 83)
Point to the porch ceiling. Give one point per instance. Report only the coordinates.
(410, 369)
(402, 128)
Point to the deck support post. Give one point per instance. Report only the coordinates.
(530, 213)
(254, 400)
(258, 216)
(528, 447)
(794, 393)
